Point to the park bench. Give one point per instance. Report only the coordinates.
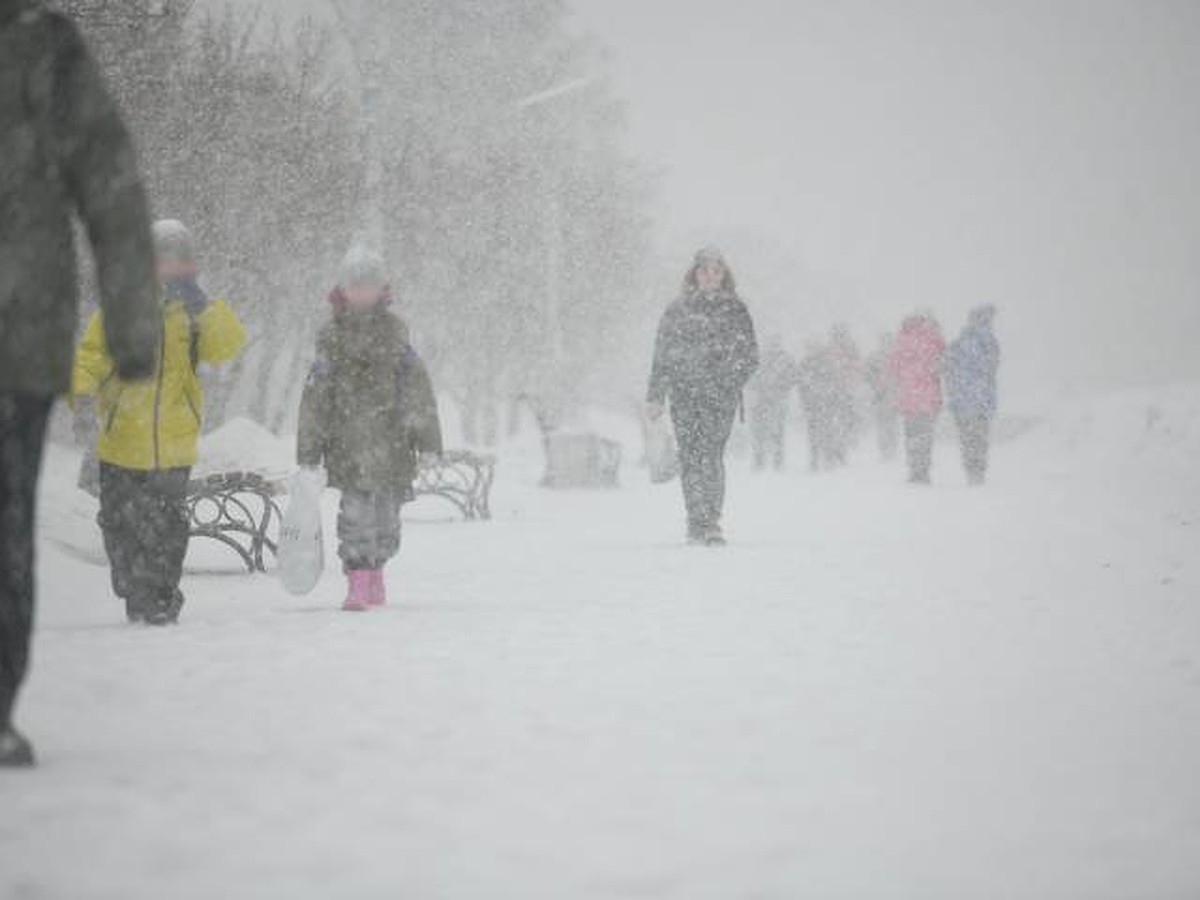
(461, 478)
(238, 509)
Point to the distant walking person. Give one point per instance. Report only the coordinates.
(916, 365)
(882, 387)
(846, 368)
(769, 391)
(63, 147)
(817, 378)
(972, 362)
(705, 353)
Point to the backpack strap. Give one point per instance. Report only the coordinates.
(194, 342)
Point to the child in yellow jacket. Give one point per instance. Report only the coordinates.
(149, 431)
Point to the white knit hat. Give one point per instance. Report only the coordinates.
(362, 265)
(173, 241)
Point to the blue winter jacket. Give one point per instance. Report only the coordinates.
(972, 362)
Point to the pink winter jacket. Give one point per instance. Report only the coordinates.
(916, 367)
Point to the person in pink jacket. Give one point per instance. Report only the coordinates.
(916, 368)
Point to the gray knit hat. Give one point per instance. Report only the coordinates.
(173, 241)
(362, 265)
(710, 255)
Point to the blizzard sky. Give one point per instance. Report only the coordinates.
(862, 159)
(1042, 156)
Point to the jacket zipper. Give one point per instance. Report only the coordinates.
(112, 413)
(192, 406)
(162, 368)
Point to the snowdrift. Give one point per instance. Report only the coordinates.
(1145, 432)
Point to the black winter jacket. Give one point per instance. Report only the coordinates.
(706, 349)
(63, 148)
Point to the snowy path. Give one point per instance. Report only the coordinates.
(876, 692)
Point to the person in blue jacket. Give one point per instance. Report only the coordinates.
(972, 363)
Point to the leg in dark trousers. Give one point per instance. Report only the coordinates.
(776, 441)
(812, 423)
(779, 449)
(23, 420)
(143, 516)
(767, 433)
(974, 433)
(886, 422)
(702, 429)
(918, 439)
(760, 437)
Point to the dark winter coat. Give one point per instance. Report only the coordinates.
(706, 349)
(972, 362)
(62, 148)
(368, 407)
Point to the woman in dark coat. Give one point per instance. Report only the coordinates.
(705, 353)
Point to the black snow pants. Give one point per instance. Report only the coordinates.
(703, 424)
(918, 442)
(975, 437)
(23, 419)
(143, 516)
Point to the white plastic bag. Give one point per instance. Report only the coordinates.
(301, 539)
(661, 452)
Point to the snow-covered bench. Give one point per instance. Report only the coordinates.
(580, 459)
(462, 478)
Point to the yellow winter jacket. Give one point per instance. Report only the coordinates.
(154, 424)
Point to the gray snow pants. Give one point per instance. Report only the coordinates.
(368, 528)
(23, 419)
(974, 434)
(918, 442)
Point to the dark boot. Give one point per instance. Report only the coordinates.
(15, 751)
(135, 611)
(166, 611)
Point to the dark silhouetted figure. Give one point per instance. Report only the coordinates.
(972, 362)
(63, 148)
(769, 391)
(882, 387)
(817, 377)
(846, 367)
(916, 365)
(705, 353)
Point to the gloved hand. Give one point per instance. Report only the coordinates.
(187, 290)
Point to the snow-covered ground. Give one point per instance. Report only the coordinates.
(875, 691)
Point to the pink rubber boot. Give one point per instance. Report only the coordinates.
(358, 599)
(377, 595)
